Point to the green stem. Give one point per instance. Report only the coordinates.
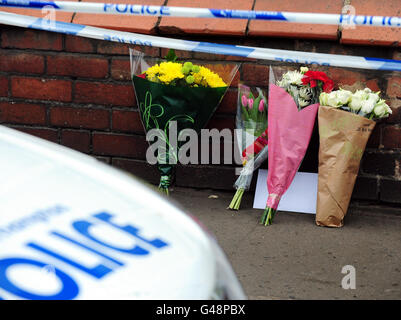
(371, 116)
(236, 201)
(268, 216)
(164, 184)
(164, 190)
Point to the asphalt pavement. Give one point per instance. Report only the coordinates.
(294, 258)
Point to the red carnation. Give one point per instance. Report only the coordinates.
(311, 78)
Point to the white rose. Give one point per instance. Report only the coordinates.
(343, 97)
(366, 90)
(389, 111)
(360, 94)
(356, 103)
(304, 69)
(380, 110)
(332, 100)
(373, 97)
(323, 99)
(367, 106)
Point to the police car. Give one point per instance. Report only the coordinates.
(74, 228)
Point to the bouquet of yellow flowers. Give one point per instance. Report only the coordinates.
(184, 75)
(174, 96)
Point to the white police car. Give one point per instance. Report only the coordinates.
(74, 228)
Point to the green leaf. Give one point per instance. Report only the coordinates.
(171, 56)
(245, 113)
(255, 110)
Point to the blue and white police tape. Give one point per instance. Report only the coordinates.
(288, 56)
(146, 10)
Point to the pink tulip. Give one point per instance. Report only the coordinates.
(261, 105)
(250, 104)
(244, 100)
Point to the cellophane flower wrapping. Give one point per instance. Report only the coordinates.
(175, 98)
(291, 119)
(251, 125)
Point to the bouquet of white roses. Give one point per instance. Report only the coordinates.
(364, 102)
(345, 124)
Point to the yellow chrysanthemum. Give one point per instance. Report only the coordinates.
(167, 72)
(212, 79)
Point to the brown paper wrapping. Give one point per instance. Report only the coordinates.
(343, 138)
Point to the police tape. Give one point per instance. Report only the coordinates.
(147, 10)
(301, 57)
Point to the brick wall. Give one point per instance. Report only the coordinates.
(77, 92)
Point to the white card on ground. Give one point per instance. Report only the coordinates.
(300, 197)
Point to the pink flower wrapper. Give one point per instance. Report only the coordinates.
(289, 132)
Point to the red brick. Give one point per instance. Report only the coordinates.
(31, 39)
(106, 144)
(115, 48)
(229, 103)
(41, 89)
(60, 16)
(374, 35)
(374, 139)
(390, 190)
(44, 133)
(373, 85)
(181, 54)
(209, 56)
(221, 122)
(382, 164)
(121, 69)
(112, 48)
(80, 118)
(105, 94)
(221, 57)
(3, 86)
(397, 54)
(204, 175)
(106, 160)
(392, 137)
(394, 87)
(22, 113)
(128, 121)
(120, 22)
(206, 26)
(80, 44)
(295, 30)
(365, 189)
(77, 66)
(141, 169)
(151, 51)
(77, 140)
(342, 76)
(21, 62)
(395, 105)
(255, 75)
